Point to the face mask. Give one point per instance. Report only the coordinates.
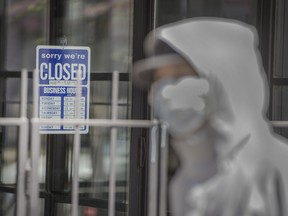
(196, 109)
(181, 103)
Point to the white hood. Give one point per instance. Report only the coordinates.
(225, 52)
(225, 49)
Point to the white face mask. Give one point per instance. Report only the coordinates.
(181, 103)
(194, 107)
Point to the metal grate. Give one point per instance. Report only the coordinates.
(23, 124)
(113, 124)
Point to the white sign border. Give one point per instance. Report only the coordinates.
(88, 49)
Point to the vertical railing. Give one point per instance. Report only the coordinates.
(35, 150)
(23, 125)
(153, 173)
(157, 192)
(76, 150)
(22, 147)
(157, 183)
(163, 171)
(112, 123)
(114, 116)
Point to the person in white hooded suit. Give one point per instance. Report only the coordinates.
(232, 164)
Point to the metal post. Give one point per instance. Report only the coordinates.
(75, 184)
(100, 122)
(35, 93)
(114, 116)
(22, 147)
(76, 149)
(279, 123)
(153, 168)
(35, 150)
(34, 184)
(24, 91)
(163, 170)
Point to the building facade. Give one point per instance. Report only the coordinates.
(114, 30)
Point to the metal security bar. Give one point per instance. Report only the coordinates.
(157, 185)
(279, 123)
(163, 171)
(23, 125)
(113, 123)
(157, 189)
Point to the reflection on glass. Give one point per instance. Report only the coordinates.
(104, 26)
(280, 41)
(94, 159)
(7, 204)
(9, 135)
(98, 154)
(26, 22)
(9, 145)
(95, 146)
(171, 11)
(9, 156)
(9, 138)
(280, 107)
(66, 209)
(101, 92)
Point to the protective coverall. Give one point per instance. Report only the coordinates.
(252, 171)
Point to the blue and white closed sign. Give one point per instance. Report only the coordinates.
(58, 67)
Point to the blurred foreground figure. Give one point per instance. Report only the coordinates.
(208, 85)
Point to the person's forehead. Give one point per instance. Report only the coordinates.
(173, 70)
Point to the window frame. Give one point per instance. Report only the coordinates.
(139, 110)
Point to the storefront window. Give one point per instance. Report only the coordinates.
(171, 11)
(26, 26)
(105, 26)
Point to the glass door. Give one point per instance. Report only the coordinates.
(106, 27)
(258, 13)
